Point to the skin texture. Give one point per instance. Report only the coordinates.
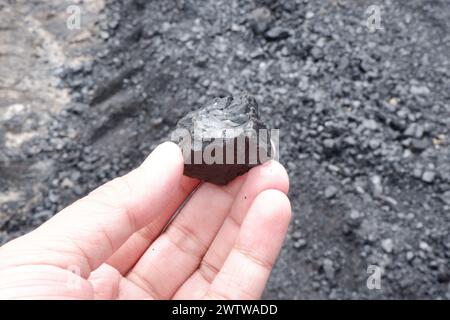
(112, 244)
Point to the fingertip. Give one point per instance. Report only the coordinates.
(273, 205)
(281, 174)
(271, 174)
(170, 148)
(167, 154)
(266, 224)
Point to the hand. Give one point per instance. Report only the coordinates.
(113, 244)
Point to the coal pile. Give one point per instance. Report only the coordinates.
(364, 120)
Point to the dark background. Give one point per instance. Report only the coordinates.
(364, 119)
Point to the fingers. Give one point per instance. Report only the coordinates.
(271, 175)
(177, 252)
(130, 252)
(92, 229)
(247, 268)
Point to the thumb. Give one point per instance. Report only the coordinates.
(89, 231)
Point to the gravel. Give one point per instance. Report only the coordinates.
(330, 192)
(428, 176)
(387, 245)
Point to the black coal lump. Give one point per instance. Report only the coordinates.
(224, 139)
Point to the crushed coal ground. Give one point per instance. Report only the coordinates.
(364, 121)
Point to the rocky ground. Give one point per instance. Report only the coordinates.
(364, 119)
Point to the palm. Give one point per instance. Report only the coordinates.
(113, 244)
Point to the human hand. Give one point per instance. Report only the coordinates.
(222, 244)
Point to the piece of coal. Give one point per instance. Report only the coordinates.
(223, 140)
